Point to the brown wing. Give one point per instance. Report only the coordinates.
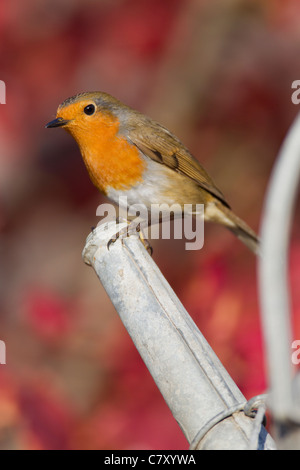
(157, 143)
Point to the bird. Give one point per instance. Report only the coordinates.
(127, 153)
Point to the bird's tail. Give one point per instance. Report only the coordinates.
(238, 227)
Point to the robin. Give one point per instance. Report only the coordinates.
(129, 154)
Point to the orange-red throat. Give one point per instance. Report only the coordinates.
(112, 162)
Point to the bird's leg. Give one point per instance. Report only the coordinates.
(132, 228)
(144, 240)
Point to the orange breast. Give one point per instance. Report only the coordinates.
(111, 160)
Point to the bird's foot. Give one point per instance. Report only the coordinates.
(131, 229)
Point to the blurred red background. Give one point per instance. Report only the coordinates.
(218, 74)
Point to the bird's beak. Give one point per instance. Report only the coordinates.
(58, 122)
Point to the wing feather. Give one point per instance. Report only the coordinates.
(157, 143)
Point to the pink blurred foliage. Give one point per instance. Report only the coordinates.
(73, 378)
(48, 315)
(47, 418)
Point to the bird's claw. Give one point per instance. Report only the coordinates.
(126, 232)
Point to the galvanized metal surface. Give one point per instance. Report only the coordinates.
(274, 281)
(203, 398)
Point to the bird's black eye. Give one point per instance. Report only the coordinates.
(89, 109)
